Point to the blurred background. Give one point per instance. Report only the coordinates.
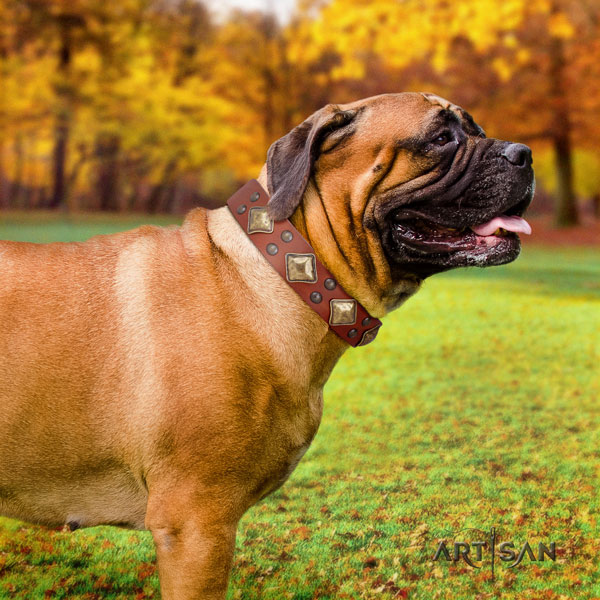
(155, 106)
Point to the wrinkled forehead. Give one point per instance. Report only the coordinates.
(449, 112)
(407, 114)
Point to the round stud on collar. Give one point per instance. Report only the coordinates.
(316, 297)
(254, 197)
(241, 209)
(287, 236)
(329, 284)
(272, 249)
(352, 333)
(366, 321)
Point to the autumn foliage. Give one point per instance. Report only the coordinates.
(155, 105)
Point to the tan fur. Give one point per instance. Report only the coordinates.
(169, 378)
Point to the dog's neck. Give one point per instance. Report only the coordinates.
(279, 313)
(370, 288)
(290, 255)
(363, 279)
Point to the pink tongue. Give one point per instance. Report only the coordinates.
(515, 224)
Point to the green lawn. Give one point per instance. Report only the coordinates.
(477, 406)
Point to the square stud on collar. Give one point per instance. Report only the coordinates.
(342, 312)
(259, 220)
(300, 267)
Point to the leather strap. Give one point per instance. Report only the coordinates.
(295, 260)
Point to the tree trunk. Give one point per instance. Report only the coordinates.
(75, 200)
(59, 158)
(566, 205)
(61, 129)
(107, 182)
(16, 184)
(155, 199)
(596, 205)
(4, 187)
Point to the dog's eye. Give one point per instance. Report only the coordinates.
(443, 139)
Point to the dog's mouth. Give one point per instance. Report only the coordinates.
(424, 247)
(469, 212)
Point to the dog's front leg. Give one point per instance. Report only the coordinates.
(194, 545)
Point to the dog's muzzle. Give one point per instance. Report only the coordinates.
(469, 216)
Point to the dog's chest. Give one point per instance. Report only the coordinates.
(288, 443)
(281, 473)
(294, 459)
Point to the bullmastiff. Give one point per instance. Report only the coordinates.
(169, 378)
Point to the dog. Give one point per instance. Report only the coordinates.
(170, 378)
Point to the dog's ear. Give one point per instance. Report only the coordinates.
(291, 158)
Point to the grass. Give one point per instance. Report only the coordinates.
(477, 406)
(43, 227)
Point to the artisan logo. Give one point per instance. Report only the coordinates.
(489, 549)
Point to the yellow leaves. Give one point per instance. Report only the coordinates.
(215, 102)
(403, 32)
(437, 573)
(26, 87)
(510, 40)
(502, 67)
(540, 6)
(440, 60)
(523, 55)
(352, 68)
(560, 26)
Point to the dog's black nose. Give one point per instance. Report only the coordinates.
(518, 154)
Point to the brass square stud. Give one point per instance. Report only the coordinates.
(342, 312)
(301, 267)
(369, 336)
(259, 220)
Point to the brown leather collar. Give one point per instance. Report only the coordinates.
(295, 260)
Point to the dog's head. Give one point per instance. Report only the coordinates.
(394, 188)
